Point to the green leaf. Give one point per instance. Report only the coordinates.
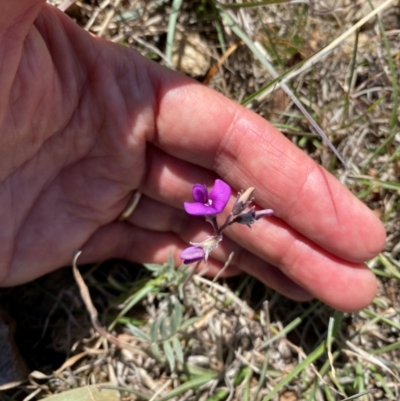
(177, 348)
(169, 353)
(154, 330)
(133, 300)
(163, 328)
(139, 333)
(176, 317)
(187, 323)
(154, 267)
(171, 262)
(156, 352)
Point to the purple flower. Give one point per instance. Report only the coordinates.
(208, 204)
(200, 250)
(192, 254)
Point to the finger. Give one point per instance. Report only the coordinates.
(270, 243)
(122, 240)
(198, 125)
(326, 276)
(20, 13)
(165, 218)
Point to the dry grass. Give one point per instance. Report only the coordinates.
(244, 342)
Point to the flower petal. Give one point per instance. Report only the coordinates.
(220, 195)
(199, 209)
(200, 193)
(192, 254)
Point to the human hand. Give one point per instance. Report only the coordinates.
(84, 122)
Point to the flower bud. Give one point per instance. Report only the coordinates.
(208, 245)
(247, 218)
(252, 216)
(192, 254)
(243, 200)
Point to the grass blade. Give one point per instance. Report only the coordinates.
(319, 351)
(392, 68)
(260, 53)
(176, 5)
(189, 385)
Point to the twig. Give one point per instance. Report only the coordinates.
(85, 295)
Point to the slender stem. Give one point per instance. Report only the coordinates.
(228, 222)
(214, 223)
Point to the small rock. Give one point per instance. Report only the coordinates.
(190, 54)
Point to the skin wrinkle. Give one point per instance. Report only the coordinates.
(325, 279)
(270, 254)
(38, 155)
(4, 63)
(22, 18)
(119, 80)
(155, 170)
(283, 173)
(58, 46)
(316, 174)
(148, 113)
(75, 216)
(273, 151)
(70, 86)
(31, 74)
(157, 87)
(230, 160)
(89, 214)
(13, 33)
(288, 259)
(39, 142)
(73, 104)
(9, 267)
(36, 199)
(253, 176)
(82, 120)
(332, 196)
(148, 206)
(96, 203)
(292, 209)
(33, 203)
(172, 220)
(16, 175)
(221, 150)
(125, 138)
(162, 92)
(178, 222)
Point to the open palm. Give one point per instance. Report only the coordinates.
(84, 122)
